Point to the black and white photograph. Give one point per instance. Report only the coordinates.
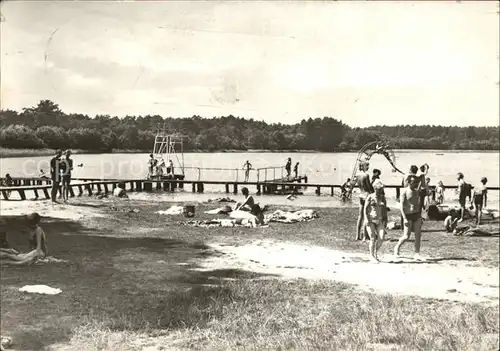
(249, 175)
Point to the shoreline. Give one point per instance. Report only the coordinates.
(20, 153)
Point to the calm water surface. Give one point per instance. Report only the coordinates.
(330, 168)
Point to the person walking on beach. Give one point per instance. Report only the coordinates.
(66, 169)
(296, 170)
(55, 175)
(288, 167)
(365, 187)
(247, 167)
(464, 192)
(375, 219)
(480, 198)
(410, 207)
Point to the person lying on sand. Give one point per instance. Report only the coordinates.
(374, 213)
(246, 205)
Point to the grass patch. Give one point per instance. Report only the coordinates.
(125, 288)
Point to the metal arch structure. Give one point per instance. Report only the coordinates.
(366, 153)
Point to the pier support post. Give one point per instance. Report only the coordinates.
(148, 186)
(158, 186)
(99, 189)
(89, 189)
(332, 190)
(227, 188)
(258, 189)
(36, 193)
(200, 187)
(80, 190)
(70, 190)
(132, 186)
(138, 185)
(106, 190)
(194, 186)
(46, 193)
(5, 194)
(318, 190)
(398, 192)
(235, 188)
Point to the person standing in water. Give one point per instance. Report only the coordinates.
(365, 188)
(410, 207)
(247, 167)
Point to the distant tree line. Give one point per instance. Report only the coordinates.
(46, 126)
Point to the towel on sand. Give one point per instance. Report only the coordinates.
(220, 210)
(216, 223)
(174, 210)
(40, 289)
(291, 217)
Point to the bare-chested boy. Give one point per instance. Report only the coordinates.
(411, 212)
(365, 188)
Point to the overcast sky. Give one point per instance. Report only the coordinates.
(365, 63)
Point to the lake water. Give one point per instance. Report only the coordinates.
(329, 168)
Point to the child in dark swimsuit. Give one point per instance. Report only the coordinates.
(480, 197)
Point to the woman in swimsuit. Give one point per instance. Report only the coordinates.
(38, 248)
(375, 213)
(248, 204)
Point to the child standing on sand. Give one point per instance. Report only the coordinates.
(480, 197)
(440, 192)
(375, 219)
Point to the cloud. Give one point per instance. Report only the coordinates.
(274, 61)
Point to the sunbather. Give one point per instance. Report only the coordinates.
(38, 248)
(246, 205)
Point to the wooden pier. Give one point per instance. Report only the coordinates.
(91, 186)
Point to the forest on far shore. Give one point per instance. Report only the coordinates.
(47, 126)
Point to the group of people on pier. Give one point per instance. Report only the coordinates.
(159, 169)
